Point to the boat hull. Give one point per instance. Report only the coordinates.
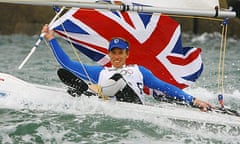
(18, 94)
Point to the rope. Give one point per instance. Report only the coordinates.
(76, 54)
(222, 55)
(192, 17)
(220, 59)
(74, 50)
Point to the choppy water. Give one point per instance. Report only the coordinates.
(53, 126)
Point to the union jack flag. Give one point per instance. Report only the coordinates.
(155, 41)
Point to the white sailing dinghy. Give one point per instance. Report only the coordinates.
(18, 94)
(11, 87)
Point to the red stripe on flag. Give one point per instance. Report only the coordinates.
(127, 19)
(184, 61)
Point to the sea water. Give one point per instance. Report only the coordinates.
(56, 125)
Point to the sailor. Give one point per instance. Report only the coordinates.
(120, 78)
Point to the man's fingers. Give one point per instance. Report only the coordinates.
(45, 28)
(203, 106)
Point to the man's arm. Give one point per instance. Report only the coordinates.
(73, 66)
(153, 82)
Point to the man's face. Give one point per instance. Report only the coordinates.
(118, 57)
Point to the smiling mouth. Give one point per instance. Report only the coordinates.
(117, 61)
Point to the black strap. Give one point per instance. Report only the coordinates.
(217, 11)
(127, 94)
(71, 80)
(125, 7)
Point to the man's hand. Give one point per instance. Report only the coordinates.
(49, 34)
(204, 106)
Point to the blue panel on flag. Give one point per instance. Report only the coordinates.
(193, 77)
(178, 49)
(116, 13)
(146, 17)
(95, 56)
(70, 27)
